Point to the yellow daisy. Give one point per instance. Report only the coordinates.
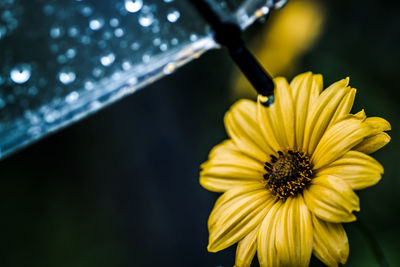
(289, 171)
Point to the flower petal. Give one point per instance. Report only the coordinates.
(266, 250)
(331, 245)
(294, 233)
(321, 113)
(331, 199)
(357, 169)
(236, 214)
(246, 249)
(227, 167)
(265, 123)
(371, 144)
(344, 107)
(337, 140)
(242, 127)
(278, 120)
(377, 138)
(301, 89)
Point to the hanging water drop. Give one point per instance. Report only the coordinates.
(146, 19)
(21, 73)
(66, 76)
(173, 16)
(133, 6)
(96, 24)
(107, 60)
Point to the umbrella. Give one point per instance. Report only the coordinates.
(63, 60)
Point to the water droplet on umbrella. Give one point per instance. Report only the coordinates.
(21, 73)
(72, 97)
(173, 16)
(107, 60)
(146, 19)
(66, 76)
(133, 6)
(96, 24)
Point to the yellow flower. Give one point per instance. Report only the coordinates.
(285, 38)
(288, 173)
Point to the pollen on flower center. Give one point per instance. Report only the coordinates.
(288, 174)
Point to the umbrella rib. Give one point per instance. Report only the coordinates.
(228, 34)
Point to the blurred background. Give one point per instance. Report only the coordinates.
(120, 188)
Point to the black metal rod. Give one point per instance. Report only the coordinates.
(228, 34)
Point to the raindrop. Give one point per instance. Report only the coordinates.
(107, 35)
(126, 65)
(156, 42)
(66, 76)
(173, 16)
(96, 24)
(133, 6)
(48, 10)
(114, 22)
(193, 37)
(174, 41)
(163, 47)
(72, 97)
(86, 11)
(71, 53)
(97, 72)
(119, 32)
(61, 59)
(21, 73)
(89, 85)
(146, 58)
(107, 60)
(135, 46)
(146, 19)
(56, 32)
(73, 32)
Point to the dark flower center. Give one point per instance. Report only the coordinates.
(288, 174)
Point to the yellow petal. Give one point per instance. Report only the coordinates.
(246, 249)
(337, 140)
(331, 245)
(371, 144)
(265, 124)
(242, 127)
(237, 214)
(331, 199)
(357, 169)
(266, 249)
(316, 89)
(321, 113)
(378, 125)
(227, 167)
(279, 117)
(301, 90)
(344, 107)
(294, 233)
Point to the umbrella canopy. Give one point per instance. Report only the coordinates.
(62, 60)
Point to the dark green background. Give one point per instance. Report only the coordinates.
(121, 188)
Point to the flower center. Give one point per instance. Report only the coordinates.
(288, 174)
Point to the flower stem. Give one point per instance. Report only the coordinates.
(372, 243)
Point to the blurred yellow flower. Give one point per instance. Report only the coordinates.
(286, 37)
(289, 171)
